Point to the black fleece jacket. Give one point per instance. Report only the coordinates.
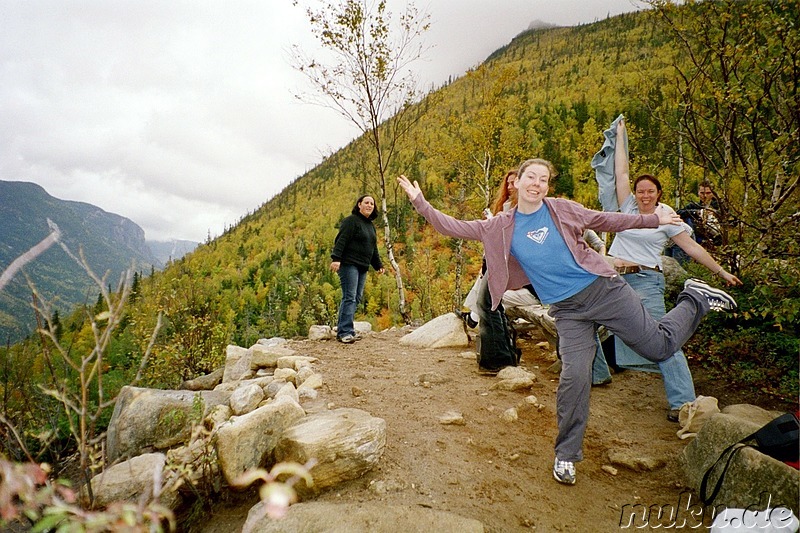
(357, 243)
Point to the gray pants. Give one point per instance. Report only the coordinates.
(614, 304)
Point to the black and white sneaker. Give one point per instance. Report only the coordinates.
(466, 316)
(718, 299)
(564, 472)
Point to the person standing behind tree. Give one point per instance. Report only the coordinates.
(704, 216)
(354, 251)
(637, 258)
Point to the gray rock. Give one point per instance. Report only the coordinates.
(305, 395)
(314, 381)
(246, 398)
(359, 518)
(288, 391)
(274, 387)
(537, 315)
(452, 418)
(218, 415)
(247, 441)
(753, 480)
(207, 382)
(674, 274)
(296, 362)
(346, 443)
(266, 356)
(441, 332)
(751, 413)
(510, 415)
(387, 486)
(158, 419)
(303, 374)
(635, 460)
(231, 386)
(228, 387)
(515, 372)
(128, 481)
(197, 459)
(432, 377)
(285, 374)
(362, 327)
(320, 333)
(237, 363)
(272, 341)
(512, 384)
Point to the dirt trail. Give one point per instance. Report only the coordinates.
(489, 469)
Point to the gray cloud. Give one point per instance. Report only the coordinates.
(179, 114)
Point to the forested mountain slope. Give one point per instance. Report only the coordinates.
(109, 242)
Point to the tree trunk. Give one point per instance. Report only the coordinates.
(398, 278)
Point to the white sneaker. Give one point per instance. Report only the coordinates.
(564, 472)
(718, 299)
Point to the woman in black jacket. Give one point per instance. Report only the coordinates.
(354, 250)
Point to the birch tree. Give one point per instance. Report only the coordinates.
(368, 81)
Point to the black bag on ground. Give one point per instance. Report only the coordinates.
(501, 352)
(779, 438)
(501, 349)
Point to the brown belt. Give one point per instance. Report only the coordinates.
(634, 269)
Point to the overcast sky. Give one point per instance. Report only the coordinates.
(180, 115)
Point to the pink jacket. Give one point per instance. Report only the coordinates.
(571, 219)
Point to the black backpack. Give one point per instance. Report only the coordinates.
(507, 354)
(779, 438)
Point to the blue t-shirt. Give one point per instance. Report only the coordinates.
(545, 258)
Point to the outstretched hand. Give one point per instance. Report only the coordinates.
(667, 216)
(730, 279)
(412, 190)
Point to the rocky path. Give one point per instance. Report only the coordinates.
(490, 465)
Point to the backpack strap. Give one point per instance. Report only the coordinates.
(731, 451)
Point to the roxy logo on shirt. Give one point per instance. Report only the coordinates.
(539, 235)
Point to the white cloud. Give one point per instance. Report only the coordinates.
(179, 115)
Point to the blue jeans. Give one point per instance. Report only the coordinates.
(678, 383)
(600, 371)
(352, 280)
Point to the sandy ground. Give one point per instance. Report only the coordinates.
(493, 470)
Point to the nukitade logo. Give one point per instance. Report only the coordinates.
(689, 513)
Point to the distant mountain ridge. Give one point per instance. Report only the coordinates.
(110, 242)
(166, 251)
(540, 25)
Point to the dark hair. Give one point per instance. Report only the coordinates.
(652, 179)
(356, 211)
